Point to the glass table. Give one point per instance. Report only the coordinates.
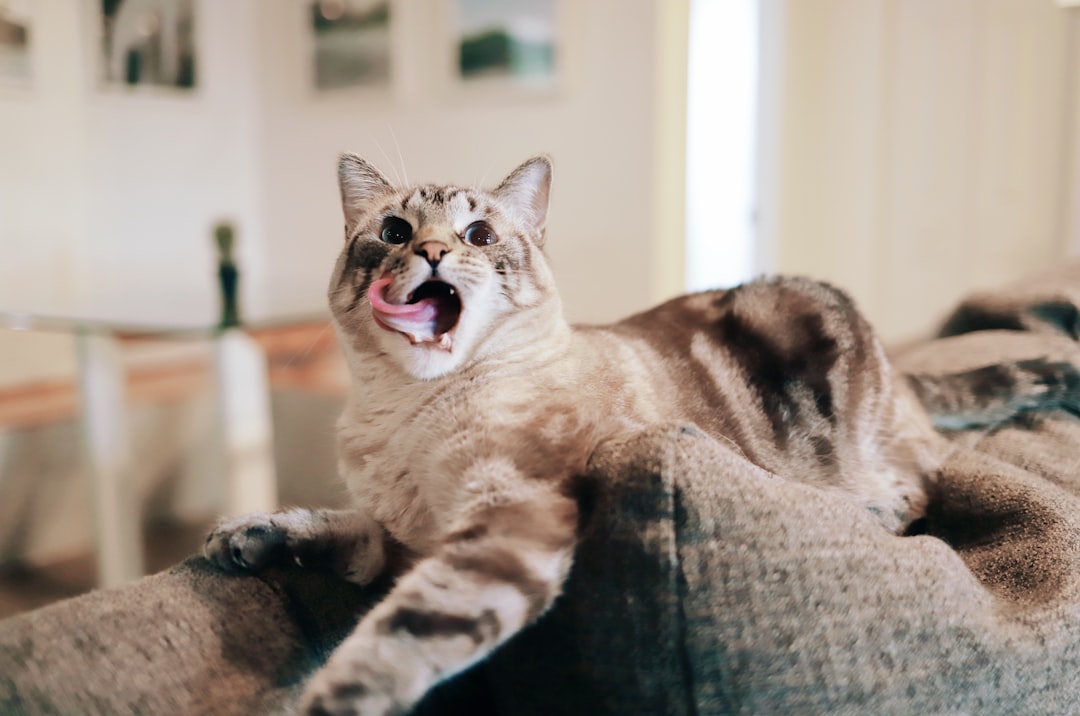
(243, 438)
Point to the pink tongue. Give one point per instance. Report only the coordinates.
(415, 319)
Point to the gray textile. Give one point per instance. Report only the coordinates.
(704, 586)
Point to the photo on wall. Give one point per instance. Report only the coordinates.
(14, 40)
(352, 43)
(507, 40)
(148, 43)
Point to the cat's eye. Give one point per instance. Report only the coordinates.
(479, 233)
(396, 230)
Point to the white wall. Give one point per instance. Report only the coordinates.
(1071, 202)
(921, 148)
(112, 191)
(164, 166)
(42, 186)
(599, 128)
(43, 145)
(109, 191)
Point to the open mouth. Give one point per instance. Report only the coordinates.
(429, 316)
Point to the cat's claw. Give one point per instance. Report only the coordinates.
(346, 543)
(247, 543)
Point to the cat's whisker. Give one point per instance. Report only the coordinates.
(483, 177)
(397, 146)
(734, 445)
(300, 355)
(390, 164)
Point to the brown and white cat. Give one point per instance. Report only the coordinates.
(475, 405)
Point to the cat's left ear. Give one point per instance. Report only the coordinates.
(526, 191)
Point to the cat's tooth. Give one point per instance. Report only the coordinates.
(446, 342)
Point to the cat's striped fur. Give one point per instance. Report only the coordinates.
(474, 414)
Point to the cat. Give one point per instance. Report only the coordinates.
(475, 406)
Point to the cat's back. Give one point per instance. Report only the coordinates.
(785, 368)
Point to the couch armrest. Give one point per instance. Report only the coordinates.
(190, 640)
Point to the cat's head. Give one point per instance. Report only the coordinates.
(433, 276)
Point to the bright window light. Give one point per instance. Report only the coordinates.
(720, 140)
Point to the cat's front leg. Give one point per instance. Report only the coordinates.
(498, 572)
(347, 542)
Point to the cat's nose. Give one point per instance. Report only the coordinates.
(432, 252)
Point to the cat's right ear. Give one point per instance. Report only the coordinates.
(526, 191)
(360, 184)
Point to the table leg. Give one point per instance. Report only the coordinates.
(108, 450)
(246, 436)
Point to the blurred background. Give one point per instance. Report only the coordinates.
(909, 151)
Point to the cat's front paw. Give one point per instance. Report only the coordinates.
(370, 675)
(249, 542)
(347, 543)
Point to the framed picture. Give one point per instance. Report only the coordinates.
(506, 43)
(352, 44)
(14, 41)
(148, 43)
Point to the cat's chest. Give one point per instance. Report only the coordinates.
(415, 457)
(387, 449)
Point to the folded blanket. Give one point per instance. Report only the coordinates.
(704, 586)
(1044, 303)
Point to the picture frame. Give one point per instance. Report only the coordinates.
(510, 49)
(147, 45)
(16, 30)
(352, 45)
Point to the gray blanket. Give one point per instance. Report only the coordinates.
(704, 586)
